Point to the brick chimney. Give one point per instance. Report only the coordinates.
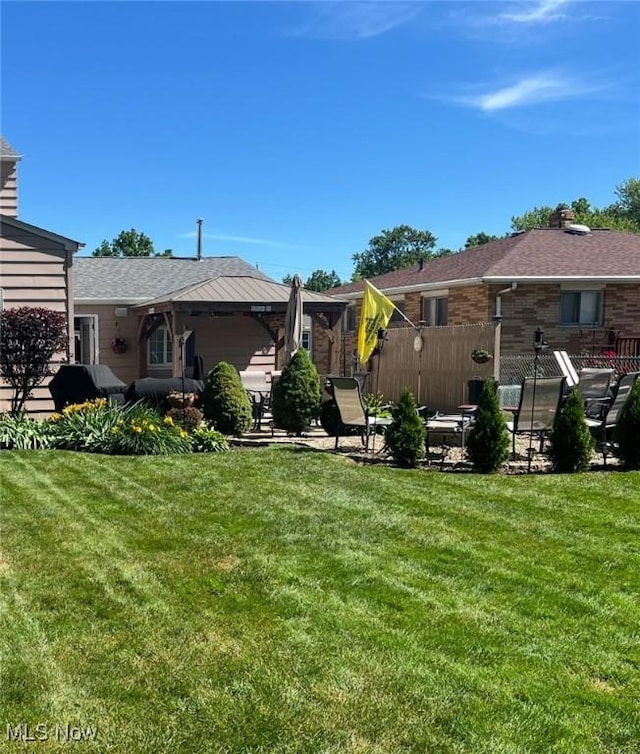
(561, 217)
(9, 159)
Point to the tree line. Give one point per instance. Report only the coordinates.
(404, 246)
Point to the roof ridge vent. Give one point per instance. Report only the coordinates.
(579, 230)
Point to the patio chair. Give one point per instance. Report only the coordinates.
(351, 410)
(593, 385)
(567, 368)
(540, 400)
(602, 428)
(258, 389)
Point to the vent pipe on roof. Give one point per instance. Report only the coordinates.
(199, 248)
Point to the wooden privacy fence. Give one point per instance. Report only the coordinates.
(439, 374)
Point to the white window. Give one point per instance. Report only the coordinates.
(160, 353)
(435, 311)
(581, 308)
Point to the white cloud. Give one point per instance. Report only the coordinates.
(357, 20)
(242, 240)
(543, 11)
(533, 90)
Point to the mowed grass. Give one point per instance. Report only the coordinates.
(284, 600)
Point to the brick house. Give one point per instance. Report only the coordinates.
(581, 286)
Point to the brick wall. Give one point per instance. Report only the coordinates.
(469, 305)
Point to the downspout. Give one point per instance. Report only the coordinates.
(497, 332)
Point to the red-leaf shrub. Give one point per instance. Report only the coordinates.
(29, 338)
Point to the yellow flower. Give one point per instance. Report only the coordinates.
(168, 420)
(56, 417)
(183, 433)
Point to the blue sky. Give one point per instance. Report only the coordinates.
(300, 130)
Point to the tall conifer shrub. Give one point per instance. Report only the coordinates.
(405, 436)
(570, 441)
(225, 402)
(488, 439)
(295, 397)
(627, 431)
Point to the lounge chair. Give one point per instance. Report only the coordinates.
(540, 400)
(351, 410)
(602, 427)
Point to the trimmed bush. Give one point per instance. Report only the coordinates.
(488, 439)
(295, 398)
(627, 432)
(570, 441)
(188, 417)
(225, 402)
(405, 436)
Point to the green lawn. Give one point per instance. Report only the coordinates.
(285, 600)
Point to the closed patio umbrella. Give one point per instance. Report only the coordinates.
(293, 319)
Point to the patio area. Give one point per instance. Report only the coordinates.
(454, 457)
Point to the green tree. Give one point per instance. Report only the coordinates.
(627, 430)
(628, 204)
(570, 442)
(295, 397)
(318, 281)
(225, 402)
(29, 338)
(479, 239)
(488, 441)
(130, 243)
(405, 436)
(394, 249)
(622, 215)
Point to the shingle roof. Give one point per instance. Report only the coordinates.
(7, 152)
(136, 279)
(538, 253)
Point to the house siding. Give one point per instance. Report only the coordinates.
(35, 271)
(238, 339)
(8, 188)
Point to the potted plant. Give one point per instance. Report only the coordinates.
(480, 356)
(118, 345)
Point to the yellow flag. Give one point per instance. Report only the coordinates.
(376, 313)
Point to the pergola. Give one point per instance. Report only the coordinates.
(262, 300)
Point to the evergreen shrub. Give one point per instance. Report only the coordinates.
(295, 397)
(570, 441)
(627, 432)
(225, 402)
(405, 436)
(488, 439)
